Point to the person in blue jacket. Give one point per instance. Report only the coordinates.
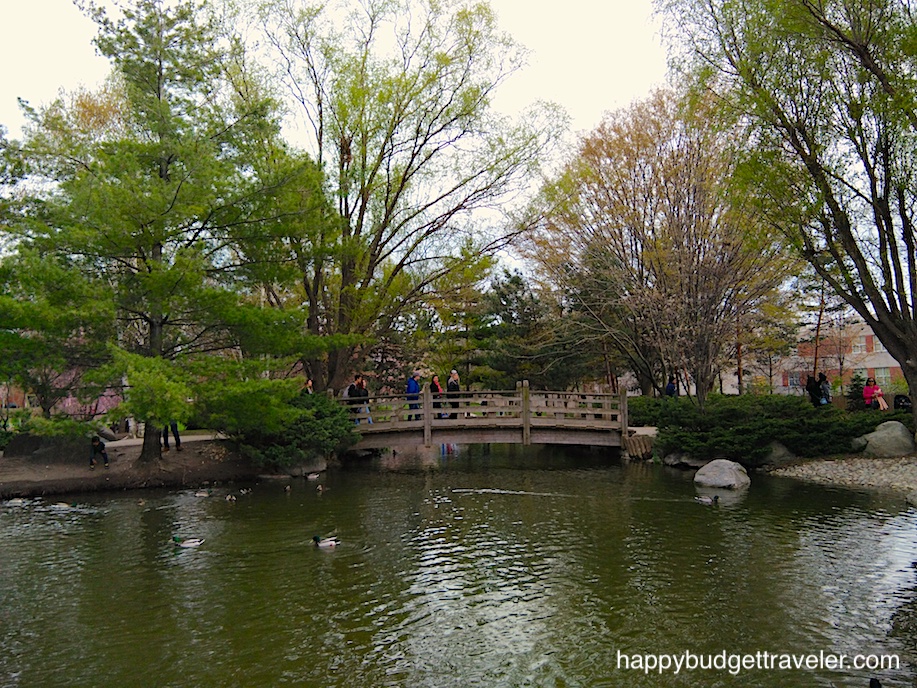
(671, 389)
(413, 392)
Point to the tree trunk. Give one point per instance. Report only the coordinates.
(739, 376)
(910, 375)
(151, 445)
(821, 313)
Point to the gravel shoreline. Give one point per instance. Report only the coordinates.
(899, 474)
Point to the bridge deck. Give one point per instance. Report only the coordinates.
(519, 416)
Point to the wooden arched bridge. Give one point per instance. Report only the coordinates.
(519, 416)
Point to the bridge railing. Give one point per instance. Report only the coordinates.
(518, 408)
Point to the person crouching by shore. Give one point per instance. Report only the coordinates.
(97, 448)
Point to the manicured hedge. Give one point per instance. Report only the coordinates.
(741, 427)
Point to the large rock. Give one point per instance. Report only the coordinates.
(724, 474)
(889, 439)
(778, 455)
(682, 460)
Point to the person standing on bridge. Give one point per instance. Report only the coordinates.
(413, 392)
(362, 395)
(353, 396)
(436, 390)
(453, 387)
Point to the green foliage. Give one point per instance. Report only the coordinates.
(55, 325)
(855, 400)
(651, 411)
(321, 426)
(158, 390)
(58, 426)
(239, 408)
(741, 427)
(523, 339)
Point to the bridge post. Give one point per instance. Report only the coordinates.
(427, 414)
(523, 387)
(622, 412)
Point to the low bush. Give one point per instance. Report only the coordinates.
(740, 428)
(321, 427)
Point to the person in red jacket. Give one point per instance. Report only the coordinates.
(873, 396)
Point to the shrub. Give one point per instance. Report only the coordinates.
(740, 428)
(650, 411)
(321, 426)
(855, 400)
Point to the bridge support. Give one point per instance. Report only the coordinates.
(523, 389)
(427, 415)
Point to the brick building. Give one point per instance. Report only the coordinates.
(843, 351)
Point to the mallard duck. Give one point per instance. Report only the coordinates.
(325, 543)
(230, 498)
(704, 499)
(287, 488)
(187, 542)
(245, 490)
(313, 476)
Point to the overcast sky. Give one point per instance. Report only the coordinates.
(587, 56)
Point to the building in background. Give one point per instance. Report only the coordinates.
(842, 351)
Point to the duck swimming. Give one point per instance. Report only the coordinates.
(187, 542)
(704, 499)
(325, 543)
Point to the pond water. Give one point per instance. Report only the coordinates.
(499, 567)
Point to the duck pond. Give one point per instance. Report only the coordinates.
(501, 566)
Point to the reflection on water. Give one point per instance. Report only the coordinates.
(490, 568)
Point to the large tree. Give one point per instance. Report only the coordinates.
(522, 338)
(824, 97)
(147, 188)
(397, 101)
(640, 230)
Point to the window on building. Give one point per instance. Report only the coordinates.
(877, 345)
(794, 380)
(883, 377)
(858, 346)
